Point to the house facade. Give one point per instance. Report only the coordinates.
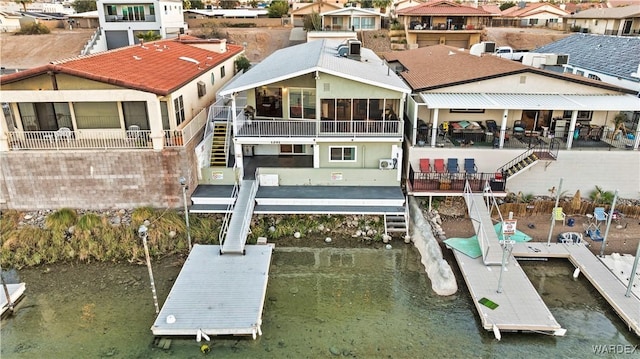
(97, 130)
(121, 21)
(620, 21)
(532, 15)
(352, 18)
(503, 110)
(324, 119)
(443, 22)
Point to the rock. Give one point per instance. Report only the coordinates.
(334, 351)
(327, 240)
(27, 217)
(172, 234)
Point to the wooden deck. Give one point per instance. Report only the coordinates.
(600, 276)
(217, 294)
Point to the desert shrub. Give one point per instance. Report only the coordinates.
(33, 29)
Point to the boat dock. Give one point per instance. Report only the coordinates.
(16, 291)
(510, 303)
(601, 277)
(217, 294)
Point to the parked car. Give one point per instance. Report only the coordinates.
(507, 52)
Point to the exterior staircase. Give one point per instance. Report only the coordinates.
(395, 223)
(530, 157)
(218, 145)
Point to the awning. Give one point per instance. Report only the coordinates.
(506, 101)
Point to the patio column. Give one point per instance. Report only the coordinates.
(316, 155)
(636, 143)
(434, 129)
(572, 128)
(503, 127)
(155, 123)
(237, 150)
(4, 140)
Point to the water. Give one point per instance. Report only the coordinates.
(364, 303)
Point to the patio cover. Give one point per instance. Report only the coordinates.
(507, 101)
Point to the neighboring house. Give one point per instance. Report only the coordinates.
(496, 112)
(9, 21)
(621, 21)
(443, 22)
(115, 129)
(298, 13)
(532, 15)
(85, 20)
(342, 113)
(225, 13)
(612, 59)
(121, 21)
(352, 18)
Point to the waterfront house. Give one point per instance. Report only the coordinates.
(115, 129)
(469, 104)
(352, 18)
(532, 15)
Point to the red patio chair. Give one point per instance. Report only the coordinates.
(425, 165)
(438, 165)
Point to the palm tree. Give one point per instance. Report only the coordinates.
(24, 3)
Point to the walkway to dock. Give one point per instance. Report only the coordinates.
(238, 227)
(217, 294)
(16, 291)
(601, 277)
(483, 226)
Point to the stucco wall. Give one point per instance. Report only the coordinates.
(581, 170)
(95, 179)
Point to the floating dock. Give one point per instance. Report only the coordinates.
(16, 291)
(217, 294)
(601, 277)
(518, 307)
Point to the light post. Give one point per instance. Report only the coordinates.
(142, 233)
(183, 183)
(507, 245)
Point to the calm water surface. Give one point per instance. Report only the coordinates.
(321, 303)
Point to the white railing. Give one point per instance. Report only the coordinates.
(474, 214)
(90, 139)
(246, 221)
(182, 136)
(92, 41)
(227, 216)
(310, 128)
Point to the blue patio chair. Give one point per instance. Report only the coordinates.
(452, 165)
(599, 215)
(470, 166)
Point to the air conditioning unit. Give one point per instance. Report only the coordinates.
(563, 59)
(386, 164)
(489, 46)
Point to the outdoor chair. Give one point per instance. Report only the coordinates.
(425, 165)
(133, 132)
(63, 132)
(558, 215)
(599, 215)
(470, 166)
(438, 165)
(452, 165)
(518, 129)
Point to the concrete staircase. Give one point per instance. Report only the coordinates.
(218, 145)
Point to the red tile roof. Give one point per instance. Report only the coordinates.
(442, 8)
(530, 9)
(159, 67)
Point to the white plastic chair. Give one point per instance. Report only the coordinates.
(134, 132)
(63, 132)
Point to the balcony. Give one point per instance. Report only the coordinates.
(314, 128)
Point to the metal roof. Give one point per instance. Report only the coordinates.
(507, 101)
(321, 56)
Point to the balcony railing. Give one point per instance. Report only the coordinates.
(453, 182)
(123, 18)
(314, 128)
(71, 140)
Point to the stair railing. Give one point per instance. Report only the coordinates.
(503, 169)
(222, 236)
(491, 200)
(246, 221)
(474, 214)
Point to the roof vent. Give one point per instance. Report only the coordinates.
(355, 49)
(189, 59)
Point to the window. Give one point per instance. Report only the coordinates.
(342, 154)
(302, 103)
(152, 10)
(135, 113)
(111, 10)
(164, 113)
(202, 89)
(287, 149)
(92, 115)
(595, 77)
(269, 101)
(178, 107)
(213, 78)
(222, 71)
